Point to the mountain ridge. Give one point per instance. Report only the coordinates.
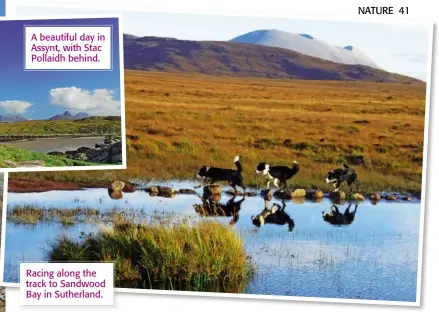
(240, 59)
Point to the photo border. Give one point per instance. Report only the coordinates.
(401, 22)
(121, 86)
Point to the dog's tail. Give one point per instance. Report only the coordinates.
(237, 163)
(346, 166)
(296, 167)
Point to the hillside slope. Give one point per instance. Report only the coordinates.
(245, 60)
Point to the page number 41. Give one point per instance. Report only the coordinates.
(404, 10)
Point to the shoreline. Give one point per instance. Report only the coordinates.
(24, 138)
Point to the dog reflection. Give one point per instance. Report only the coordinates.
(213, 208)
(273, 215)
(337, 218)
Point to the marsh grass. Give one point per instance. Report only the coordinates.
(178, 123)
(205, 256)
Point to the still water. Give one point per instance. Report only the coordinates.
(46, 145)
(374, 257)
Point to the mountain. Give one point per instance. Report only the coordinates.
(68, 116)
(308, 45)
(240, 59)
(12, 118)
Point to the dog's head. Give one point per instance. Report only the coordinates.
(262, 168)
(331, 177)
(258, 221)
(203, 172)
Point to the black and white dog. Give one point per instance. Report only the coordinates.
(274, 215)
(338, 176)
(212, 175)
(277, 174)
(337, 218)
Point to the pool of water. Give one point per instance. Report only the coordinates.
(46, 145)
(374, 257)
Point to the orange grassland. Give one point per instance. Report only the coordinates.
(177, 123)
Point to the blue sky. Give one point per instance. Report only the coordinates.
(42, 94)
(2, 7)
(394, 47)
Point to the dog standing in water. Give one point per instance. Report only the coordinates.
(212, 175)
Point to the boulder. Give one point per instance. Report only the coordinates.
(298, 193)
(390, 197)
(339, 195)
(152, 190)
(165, 191)
(267, 194)
(186, 191)
(357, 196)
(283, 194)
(117, 186)
(129, 188)
(314, 194)
(407, 198)
(298, 200)
(115, 194)
(375, 196)
(212, 189)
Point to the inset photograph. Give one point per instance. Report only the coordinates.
(61, 94)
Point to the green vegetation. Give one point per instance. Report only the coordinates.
(47, 128)
(10, 153)
(206, 256)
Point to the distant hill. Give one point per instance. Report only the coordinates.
(12, 118)
(308, 45)
(240, 59)
(69, 116)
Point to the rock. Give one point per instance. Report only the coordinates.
(55, 153)
(251, 194)
(340, 195)
(186, 191)
(165, 191)
(375, 197)
(357, 196)
(314, 194)
(152, 190)
(283, 194)
(407, 198)
(117, 186)
(298, 193)
(129, 188)
(25, 164)
(212, 189)
(115, 194)
(390, 197)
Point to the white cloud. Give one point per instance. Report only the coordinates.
(15, 107)
(99, 102)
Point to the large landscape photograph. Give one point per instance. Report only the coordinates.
(273, 157)
(58, 118)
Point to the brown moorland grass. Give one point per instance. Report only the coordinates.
(177, 123)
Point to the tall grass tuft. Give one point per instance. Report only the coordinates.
(206, 256)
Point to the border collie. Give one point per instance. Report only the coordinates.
(338, 176)
(277, 174)
(274, 215)
(212, 175)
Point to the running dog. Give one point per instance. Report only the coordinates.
(276, 174)
(338, 176)
(212, 175)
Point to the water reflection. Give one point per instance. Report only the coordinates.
(212, 207)
(335, 217)
(273, 215)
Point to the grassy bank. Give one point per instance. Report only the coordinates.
(17, 155)
(205, 257)
(178, 123)
(47, 128)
